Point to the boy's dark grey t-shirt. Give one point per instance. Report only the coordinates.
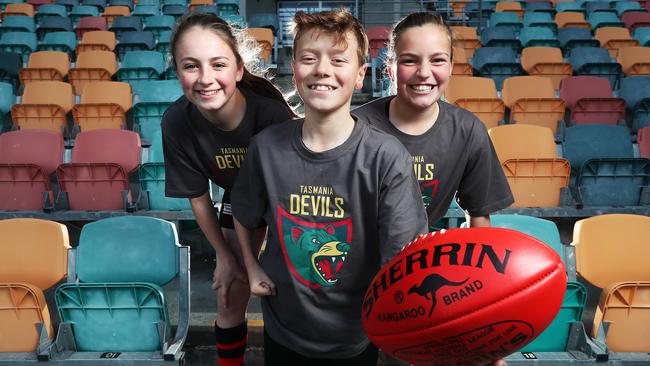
(456, 154)
(333, 218)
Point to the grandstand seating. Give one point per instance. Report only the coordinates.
(461, 63)
(531, 100)
(127, 3)
(466, 38)
(96, 41)
(54, 24)
(644, 142)
(478, 95)
(44, 105)
(96, 65)
(10, 64)
(103, 105)
(19, 9)
(45, 65)
(643, 36)
(27, 160)
(634, 60)
(636, 92)
(590, 100)
(265, 39)
(145, 11)
(539, 19)
(570, 19)
(613, 38)
(377, 39)
(610, 254)
(636, 19)
(159, 23)
(151, 99)
(17, 23)
(99, 4)
(595, 61)
(264, 20)
(59, 41)
(134, 41)
(112, 12)
(97, 177)
(117, 277)
(604, 19)
(141, 65)
(23, 43)
(538, 36)
(89, 24)
(570, 38)
(547, 62)
(511, 7)
(497, 63)
(7, 99)
(126, 24)
(80, 11)
(499, 36)
(33, 258)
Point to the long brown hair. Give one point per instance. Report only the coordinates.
(238, 43)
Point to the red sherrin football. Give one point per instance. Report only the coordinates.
(464, 296)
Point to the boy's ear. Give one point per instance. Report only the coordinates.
(360, 76)
(391, 71)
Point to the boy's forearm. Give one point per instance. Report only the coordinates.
(250, 244)
(478, 221)
(206, 217)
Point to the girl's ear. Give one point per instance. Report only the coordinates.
(240, 71)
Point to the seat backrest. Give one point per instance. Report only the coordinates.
(503, 18)
(570, 18)
(643, 138)
(50, 59)
(628, 57)
(634, 89)
(526, 87)
(156, 91)
(584, 142)
(20, 8)
(625, 306)
(120, 249)
(40, 147)
(521, 141)
(612, 248)
(33, 251)
(507, 6)
(97, 60)
(108, 146)
(145, 38)
(581, 56)
(606, 34)
(7, 97)
(487, 55)
(464, 32)
(107, 92)
(100, 37)
(133, 23)
(149, 59)
(461, 86)
(574, 88)
(156, 150)
(19, 22)
(49, 92)
(60, 41)
(541, 229)
(534, 55)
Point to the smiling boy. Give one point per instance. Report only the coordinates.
(339, 197)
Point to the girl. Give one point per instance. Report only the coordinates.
(206, 134)
(450, 147)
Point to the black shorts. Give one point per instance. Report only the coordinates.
(225, 213)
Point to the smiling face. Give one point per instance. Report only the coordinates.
(326, 72)
(207, 69)
(422, 66)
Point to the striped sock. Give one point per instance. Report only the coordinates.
(231, 344)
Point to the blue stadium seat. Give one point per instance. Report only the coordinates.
(59, 41)
(10, 65)
(506, 19)
(134, 41)
(497, 63)
(598, 6)
(539, 19)
(23, 43)
(264, 20)
(126, 24)
(604, 19)
(636, 92)
(643, 36)
(81, 11)
(159, 23)
(99, 4)
(7, 99)
(571, 38)
(127, 3)
(538, 37)
(145, 11)
(118, 280)
(499, 36)
(623, 6)
(54, 23)
(49, 9)
(155, 3)
(596, 141)
(163, 44)
(541, 7)
(17, 23)
(175, 10)
(595, 61)
(151, 99)
(568, 6)
(69, 4)
(141, 65)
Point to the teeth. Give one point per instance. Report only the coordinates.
(422, 87)
(207, 92)
(320, 87)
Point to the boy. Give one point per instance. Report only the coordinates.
(339, 197)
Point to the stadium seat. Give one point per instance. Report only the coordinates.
(377, 39)
(610, 254)
(112, 12)
(538, 36)
(145, 11)
(545, 7)
(47, 10)
(95, 23)
(510, 7)
(44, 105)
(529, 159)
(97, 41)
(103, 105)
(59, 41)
(598, 6)
(613, 38)
(152, 180)
(159, 23)
(531, 100)
(636, 19)
(643, 36)
(45, 65)
(33, 258)
(134, 41)
(10, 64)
(151, 99)
(228, 7)
(118, 276)
(97, 177)
(569, 6)
(7, 99)
(461, 63)
(590, 100)
(634, 60)
(604, 19)
(23, 43)
(547, 62)
(81, 11)
(69, 4)
(54, 23)
(596, 141)
(175, 10)
(479, 96)
(127, 3)
(538, 19)
(92, 66)
(570, 38)
(506, 20)
(27, 160)
(193, 4)
(466, 38)
(265, 40)
(263, 20)
(635, 90)
(570, 19)
(643, 138)
(622, 7)
(99, 4)
(18, 23)
(163, 44)
(19, 9)
(497, 63)
(597, 62)
(141, 65)
(499, 36)
(126, 24)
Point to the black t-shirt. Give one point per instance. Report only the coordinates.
(455, 154)
(197, 151)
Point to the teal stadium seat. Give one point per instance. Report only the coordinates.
(538, 37)
(81, 11)
(604, 19)
(228, 7)
(54, 23)
(497, 63)
(125, 24)
(127, 3)
(499, 36)
(46, 10)
(17, 23)
(595, 61)
(636, 92)
(163, 44)
(569, 6)
(570, 38)
(145, 11)
(141, 65)
(116, 302)
(507, 20)
(625, 6)
(134, 41)
(23, 43)
(7, 99)
(539, 19)
(59, 41)
(10, 65)
(69, 4)
(151, 99)
(643, 36)
(159, 23)
(3, 3)
(175, 10)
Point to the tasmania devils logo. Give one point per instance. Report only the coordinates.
(430, 285)
(314, 252)
(428, 190)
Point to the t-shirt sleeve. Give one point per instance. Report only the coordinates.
(401, 212)
(182, 178)
(249, 197)
(483, 188)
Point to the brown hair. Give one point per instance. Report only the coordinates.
(337, 23)
(238, 42)
(418, 20)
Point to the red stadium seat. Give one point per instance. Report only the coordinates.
(644, 142)
(590, 100)
(377, 39)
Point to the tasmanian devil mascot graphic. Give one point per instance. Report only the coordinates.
(314, 252)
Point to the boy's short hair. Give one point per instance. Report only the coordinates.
(337, 23)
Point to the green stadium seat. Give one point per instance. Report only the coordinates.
(18, 23)
(159, 23)
(23, 43)
(151, 99)
(59, 41)
(141, 65)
